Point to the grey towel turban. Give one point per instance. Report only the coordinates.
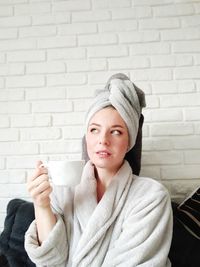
(126, 98)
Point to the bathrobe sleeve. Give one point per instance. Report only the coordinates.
(53, 252)
(145, 236)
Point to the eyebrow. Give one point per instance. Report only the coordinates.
(113, 126)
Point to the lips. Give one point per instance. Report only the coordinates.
(103, 153)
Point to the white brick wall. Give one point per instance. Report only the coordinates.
(54, 54)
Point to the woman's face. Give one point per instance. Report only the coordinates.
(107, 139)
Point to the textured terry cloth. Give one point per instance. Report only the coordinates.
(130, 226)
(126, 98)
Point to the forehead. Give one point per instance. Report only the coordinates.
(107, 115)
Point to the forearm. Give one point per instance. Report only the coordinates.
(45, 221)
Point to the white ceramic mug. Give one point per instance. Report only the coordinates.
(65, 172)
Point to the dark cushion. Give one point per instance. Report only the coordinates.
(20, 214)
(185, 247)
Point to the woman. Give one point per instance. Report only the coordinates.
(113, 218)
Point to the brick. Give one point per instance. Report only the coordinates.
(180, 34)
(101, 4)
(73, 132)
(26, 56)
(4, 121)
(53, 42)
(2, 83)
(12, 69)
(182, 60)
(190, 21)
(20, 148)
(173, 10)
(46, 93)
(12, 177)
(66, 79)
(2, 163)
(15, 21)
(97, 39)
(2, 58)
(186, 86)
(69, 53)
(32, 8)
(163, 61)
(14, 107)
(183, 188)
(172, 129)
(153, 172)
(6, 11)
(156, 74)
(86, 65)
(192, 157)
(149, 2)
(99, 78)
(196, 59)
(159, 23)
(8, 34)
(117, 26)
(84, 91)
(157, 144)
(180, 172)
(138, 37)
(192, 114)
(166, 115)
(30, 120)
(9, 135)
(187, 46)
(183, 100)
(3, 204)
(186, 142)
(47, 67)
(55, 18)
(161, 157)
(164, 87)
(70, 118)
(52, 106)
(197, 128)
(81, 105)
(131, 13)
(58, 147)
(152, 101)
(24, 162)
(77, 28)
(40, 134)
(107, 51)
(37, 31)
(149, 49)
(6, 95)
(71, 5)
(94, 15)
(8, 45)
(25, 81)
(128, 63)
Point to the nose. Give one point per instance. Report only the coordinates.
(104, 139)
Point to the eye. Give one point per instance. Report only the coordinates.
(94, 130)
(116, 132)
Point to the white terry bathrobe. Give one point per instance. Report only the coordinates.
(130, 226)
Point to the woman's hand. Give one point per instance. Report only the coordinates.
(39, 187)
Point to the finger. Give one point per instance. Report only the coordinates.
(33, 183)
(39, 189)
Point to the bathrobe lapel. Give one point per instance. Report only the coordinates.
(94, 218)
